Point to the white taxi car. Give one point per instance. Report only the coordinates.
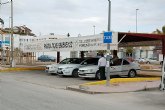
(52, 69)
(153, 61)
(71, 69)
(121, 67)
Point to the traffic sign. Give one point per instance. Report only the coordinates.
(107, 37)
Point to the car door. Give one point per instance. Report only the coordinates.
(125, 67)
(115, 67)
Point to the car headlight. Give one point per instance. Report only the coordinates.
(68, 67)
(90, 70)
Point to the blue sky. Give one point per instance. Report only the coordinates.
(79, 16)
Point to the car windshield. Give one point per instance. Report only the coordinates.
(72, 61)
(76, 60)
(65, 61)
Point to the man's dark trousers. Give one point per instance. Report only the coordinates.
(102, 72)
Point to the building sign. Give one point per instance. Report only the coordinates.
(84, 43)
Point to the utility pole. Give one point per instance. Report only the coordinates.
(108, 47)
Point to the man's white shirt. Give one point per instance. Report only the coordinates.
(102, 62)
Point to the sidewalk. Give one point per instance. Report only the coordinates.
(115, 87)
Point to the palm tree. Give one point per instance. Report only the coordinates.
(129, 51)
(159, 31)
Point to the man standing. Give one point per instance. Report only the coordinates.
(102, 65)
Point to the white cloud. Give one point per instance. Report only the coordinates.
(91, 19)
(79, 16)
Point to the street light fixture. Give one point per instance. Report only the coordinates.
(136, 19)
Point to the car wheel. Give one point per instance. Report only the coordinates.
(98, 76)
(132, 74)
(75, 73)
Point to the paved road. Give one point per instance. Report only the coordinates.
(35, 91)
(42, 78)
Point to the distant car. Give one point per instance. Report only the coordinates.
(121, 67)
(71, 69)
(54, 67)
(153, 61)
(44, 58)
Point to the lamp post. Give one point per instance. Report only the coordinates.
(108, 46)
(136, 19)
(94, 29)
(12, 39)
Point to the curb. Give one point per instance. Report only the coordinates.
(94, 92)
(122, 80)
(80, 90)
(21, 69)
(85, 88)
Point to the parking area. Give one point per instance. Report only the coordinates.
(42, 78)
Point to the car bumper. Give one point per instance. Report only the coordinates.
(64, 72)
(87, 75)
(50, 71)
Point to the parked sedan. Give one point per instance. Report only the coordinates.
(121, 67)
(153, 61)
(71, 69)
(54, 67)
(45, 58)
